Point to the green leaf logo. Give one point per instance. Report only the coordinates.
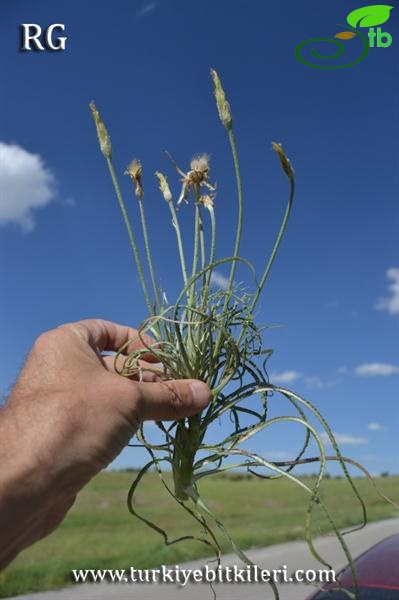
(368, 16)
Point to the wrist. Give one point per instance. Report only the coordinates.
(30, 505)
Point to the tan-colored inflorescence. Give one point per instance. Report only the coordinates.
(164, 186)
(102, 133)
(197, 176)
(285, 162)
(135, 171)
(222, 103)
(207, 201)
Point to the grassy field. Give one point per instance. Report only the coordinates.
(100, 532)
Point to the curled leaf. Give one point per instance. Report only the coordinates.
(368, 16)
(345, 35)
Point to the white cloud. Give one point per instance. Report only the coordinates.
(376, 427)
(344, 438)
(219, 280)
(284, 377)
(376, 370)
(25, 184)
(147, 8)
(391, 302)
(342, 370)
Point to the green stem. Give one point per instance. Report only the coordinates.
(211, 256)
(276, 245)
(175, 223)
(213, 239)
(176, 227)
(149, 257)
(240, 214)
(202, 245)
(273, 254)
(200, 326)
(188, 314)
(184, 455)
(239, 229)
(202, 242)
(195, 253)
(130, 234)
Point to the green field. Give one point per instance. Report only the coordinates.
(100, 532)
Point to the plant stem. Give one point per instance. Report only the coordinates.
(276, 245)
(195, 253)
(213, 239)
(175, 223)
(202, 244)
(184, 455)
(131, 235)
(188, 314)
(211, 256)
(238, 233)
(273, 254)
(149, 257)
(240, 213)
(202, 241)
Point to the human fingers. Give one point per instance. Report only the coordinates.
(142, 371)
(108, 336)
(172, 400)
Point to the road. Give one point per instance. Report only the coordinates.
(295, 555)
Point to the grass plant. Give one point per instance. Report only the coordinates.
(209, 333)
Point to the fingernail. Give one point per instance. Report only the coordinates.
(201, 393)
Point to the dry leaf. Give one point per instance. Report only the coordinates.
(345, 35)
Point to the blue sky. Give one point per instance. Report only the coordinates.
(334, 289)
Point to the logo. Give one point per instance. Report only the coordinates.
(368, 17)
(33, 38)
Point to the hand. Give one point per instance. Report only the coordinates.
(68, 417)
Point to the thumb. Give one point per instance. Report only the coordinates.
(172, 400)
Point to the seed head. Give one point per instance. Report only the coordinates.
(200, 164)
(207, 201)
(196, 177)
(134, 171)
(102, 133)
(164, 186)
(221, 101)
(285, 162)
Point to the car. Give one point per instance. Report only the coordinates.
(377, 571)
